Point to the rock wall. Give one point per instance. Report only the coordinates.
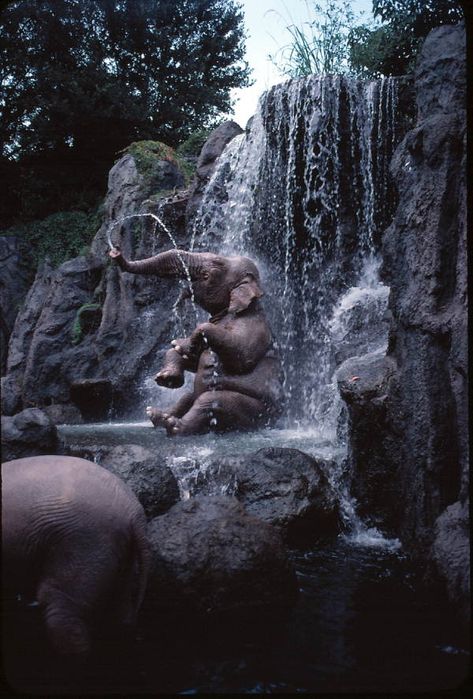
(88, 335)
(14, 282)
(410, 467)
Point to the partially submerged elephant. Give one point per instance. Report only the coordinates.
(74, 539)
(238, 373)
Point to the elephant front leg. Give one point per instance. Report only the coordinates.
(218, 411)
(177, 360)
(172, 373)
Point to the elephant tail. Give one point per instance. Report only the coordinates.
(141, 560)
(133, 585)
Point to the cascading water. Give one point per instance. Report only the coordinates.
(306, 193)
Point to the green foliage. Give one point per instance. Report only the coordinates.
(319, 46)
(79, 327)
(83, 78)
(147, 153)
(192, 146)
(59, 237)
(392, 48)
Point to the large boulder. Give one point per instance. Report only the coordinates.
(363, 383)
(28, 433)
(207, 161)
(284, 487)
(210, 555)
(144, 471)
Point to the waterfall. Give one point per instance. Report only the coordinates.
(306, 193)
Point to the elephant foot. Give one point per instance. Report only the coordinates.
(173, 425)
(157, 417)
(169, 378)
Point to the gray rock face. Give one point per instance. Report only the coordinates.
(441, 72)
(63, 414)
(14, 283)
(142, 470)
(206, 162)
(21, 338)
(424, 263)
(209, 555)
(28, 433)
(283, 487)
(85, 324)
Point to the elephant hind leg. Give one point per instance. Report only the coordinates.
(220, 411)
(66, 630)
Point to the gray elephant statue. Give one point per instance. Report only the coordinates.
(238, 382)
(74, 540)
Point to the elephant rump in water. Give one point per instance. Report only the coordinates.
(237, 371)
(74, 541)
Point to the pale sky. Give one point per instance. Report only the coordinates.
(266, 22)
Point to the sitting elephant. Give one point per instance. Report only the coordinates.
(238, 373)
(74, 540)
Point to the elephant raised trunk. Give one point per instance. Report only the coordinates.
(172, 263)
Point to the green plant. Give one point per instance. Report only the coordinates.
(320, 45)
(147, 153)
(192, 146)
(58, 237)
(78, 326)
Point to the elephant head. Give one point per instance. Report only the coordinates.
(218, 283)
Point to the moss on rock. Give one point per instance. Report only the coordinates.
(87, 318)
(147, 153)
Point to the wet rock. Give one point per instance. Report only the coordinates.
(144, 471)
(64, 414)
(362, 378)
(210, 555)
(360, 322)
(451, 554)
(284, 487)
(363, 383)
(28, 433)
(206, 162)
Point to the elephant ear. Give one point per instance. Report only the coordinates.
(242, 295)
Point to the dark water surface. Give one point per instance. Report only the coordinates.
(363, 622)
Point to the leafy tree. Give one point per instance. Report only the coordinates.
(81, 79)
(392, 47)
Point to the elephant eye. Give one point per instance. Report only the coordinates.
(205, 275)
